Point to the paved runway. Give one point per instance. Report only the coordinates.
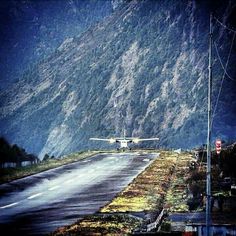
(39, 204)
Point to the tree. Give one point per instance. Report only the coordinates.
(46, 157)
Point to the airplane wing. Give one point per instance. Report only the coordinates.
(137, 140)
(134, 140)
(148, 139)
(111, 140)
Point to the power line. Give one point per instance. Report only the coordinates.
(223, 77)
(218, 55)
(223, 25)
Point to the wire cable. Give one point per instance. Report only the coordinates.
(221, 63)
(223, 77)
(223, 25)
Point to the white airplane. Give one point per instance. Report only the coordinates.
(124, 141)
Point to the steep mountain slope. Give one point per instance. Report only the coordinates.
(144, 66)
(46, 24)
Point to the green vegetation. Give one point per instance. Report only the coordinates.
(223, 169)
(101, 224)
(177, 195)
(227, 160)
(14, 154)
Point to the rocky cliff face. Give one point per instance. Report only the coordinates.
(144, 66)
(32, 30)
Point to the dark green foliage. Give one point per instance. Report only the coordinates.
(166, 226)
(6, 152)
(227, 161)
(14, 154)
(46, 157)
(194, 203)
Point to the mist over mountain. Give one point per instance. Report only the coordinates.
(144, 66)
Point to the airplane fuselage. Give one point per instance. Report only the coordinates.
(123, 143)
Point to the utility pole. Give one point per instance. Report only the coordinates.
(208, 176)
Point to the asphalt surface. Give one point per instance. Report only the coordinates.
(39, 204)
